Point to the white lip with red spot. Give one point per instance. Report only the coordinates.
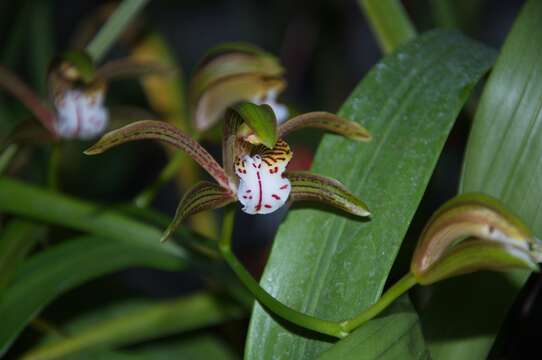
(80, 116)
(262, 189)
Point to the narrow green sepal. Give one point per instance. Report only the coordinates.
(312, 187)
(203, 196)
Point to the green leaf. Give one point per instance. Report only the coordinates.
(65, 266)
(333, 266)
(261, 119)
(163, 131)
(16, 240)
(326, 121)
(136, 321)
(503, 160)
(32, 202)
(388, 336)
(133, 68)
(390, 23)
(313, 187)
(202, 196)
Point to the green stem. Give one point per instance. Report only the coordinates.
(339, 329)
(389, 21)
(54, 167)
(389, 296)
(113, 28)
(6, 156)
(147, 195)
(331, 328)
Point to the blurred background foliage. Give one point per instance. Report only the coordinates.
(326, 47)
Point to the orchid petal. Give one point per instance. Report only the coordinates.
(80, 115)
(159, 130)
(313, 187)
(326, 121)
(228, 91)
(203, 196)
(231, 142)
(17, 88)
(261, 120)
(229, 60)
(262, 187)
(129, 68)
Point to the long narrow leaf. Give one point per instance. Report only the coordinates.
(52, 272)
(332, 266)
(128, 323)
(32, 202)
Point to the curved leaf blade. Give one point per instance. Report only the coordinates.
(313, 187)
(503, 160)
(408, 102)
(135, 321)
(65, 266)
(32, 202)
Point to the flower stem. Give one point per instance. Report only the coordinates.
(113, 28)
(147, 195)
(331, 328)
(54, 167)
(398, 289)
(389, 21)
(338, 329)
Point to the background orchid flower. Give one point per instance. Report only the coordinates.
(231, 73)
(77, 93)
(252, 173)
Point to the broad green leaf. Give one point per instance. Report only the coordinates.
(136, 321)
(378, 339)
(326, 121)
(261, 119)
(17, 239)
(502, 160)
(65, 266)
(311, 187)
(32, 202)
(203, 196)
(333, 266)
(163, 131)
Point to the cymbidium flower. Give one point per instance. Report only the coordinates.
(473, 232)
(254, 173)
(76, 92)
(231, 73)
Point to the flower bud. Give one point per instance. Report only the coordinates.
(233, 73)
(469, 233)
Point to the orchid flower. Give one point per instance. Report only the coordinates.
(253, 172)
(232, 73)
(76, 92)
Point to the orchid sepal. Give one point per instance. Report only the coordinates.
(327, 121)
(307, 186)
(159, 130)
(202, 196)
